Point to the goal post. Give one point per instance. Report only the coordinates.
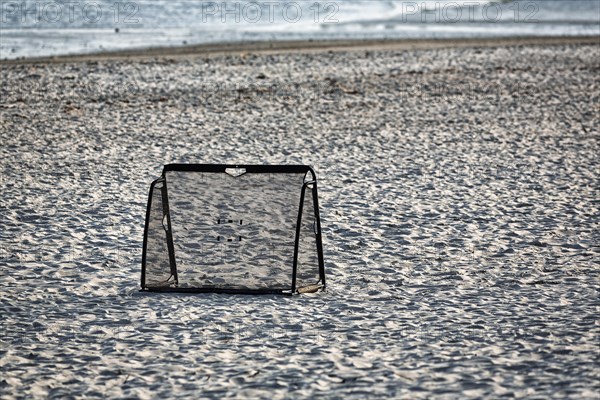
(233, 229)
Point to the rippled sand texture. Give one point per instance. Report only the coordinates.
(459, 199)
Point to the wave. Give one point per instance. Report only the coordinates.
(108, 25)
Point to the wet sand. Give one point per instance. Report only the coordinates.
(304, 46)
(459, 204)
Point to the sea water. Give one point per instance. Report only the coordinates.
(33, 28)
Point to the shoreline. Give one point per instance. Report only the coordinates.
(303, 46)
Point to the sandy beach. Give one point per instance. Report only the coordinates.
(459, 200)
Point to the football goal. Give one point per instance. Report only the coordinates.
(233, 229)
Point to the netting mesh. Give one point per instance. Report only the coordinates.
(231, 232)
(307, 274)
(157, 267)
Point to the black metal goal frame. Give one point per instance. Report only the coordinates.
(237, 170)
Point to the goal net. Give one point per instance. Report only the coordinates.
(233, 229)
